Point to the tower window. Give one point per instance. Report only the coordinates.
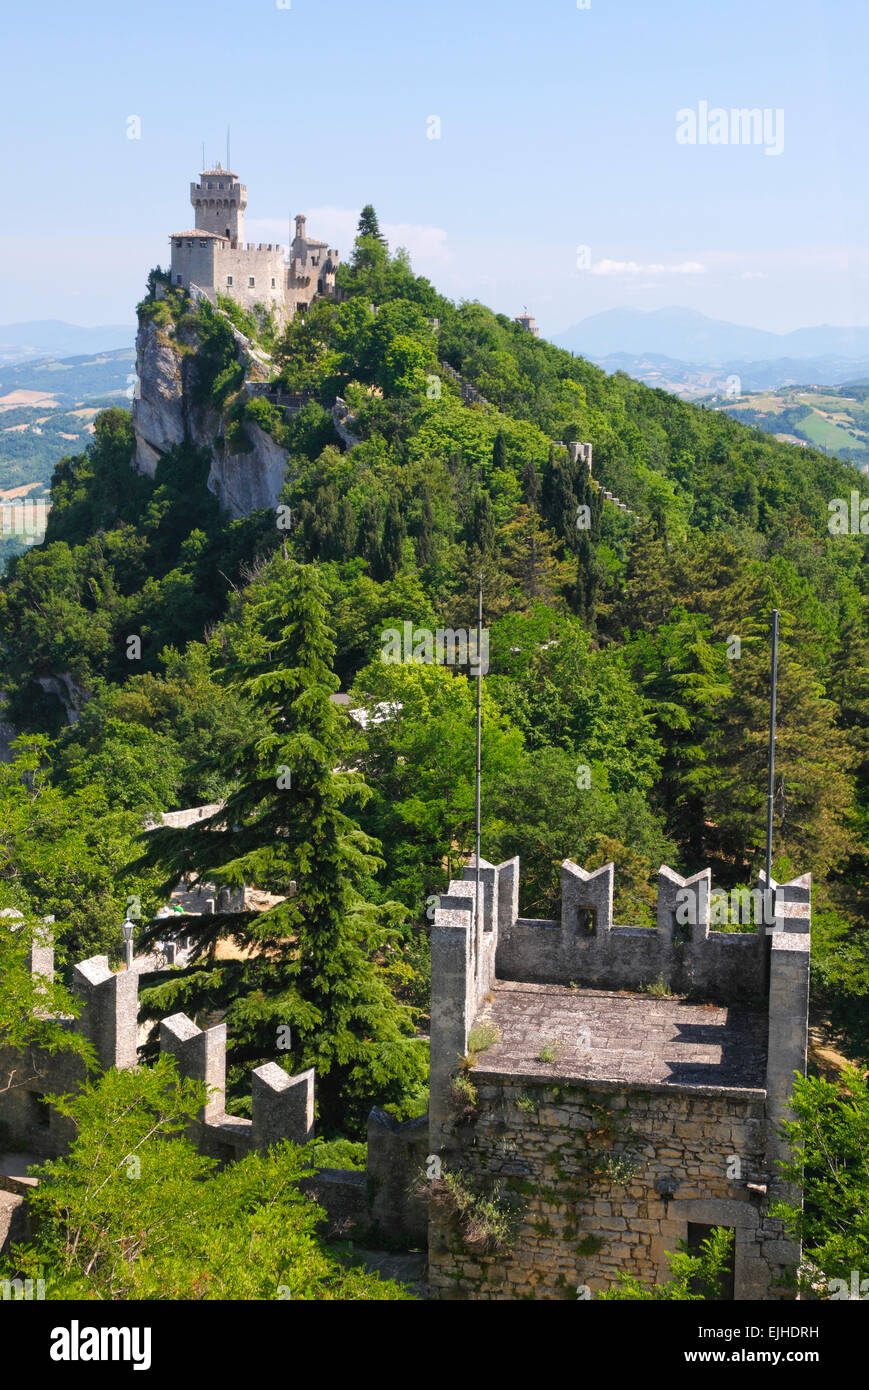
(273, 282)
(251, 282)
(177, 279)
(229, 279)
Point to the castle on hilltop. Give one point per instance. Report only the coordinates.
(214, 258)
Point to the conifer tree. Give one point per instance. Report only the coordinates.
(531, 483)
(370, 532)
(557, 496)
(312, 965)
(347, 531)
(587, 513)
(813, 792)
(529, 556)
(482, 536)
(425, 551)
(392, 546)
(368, 224)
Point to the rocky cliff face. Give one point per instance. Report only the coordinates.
(159, 415)
(165, 414)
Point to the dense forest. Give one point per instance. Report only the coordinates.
(624, 710)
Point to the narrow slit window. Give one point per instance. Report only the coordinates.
(586, 921)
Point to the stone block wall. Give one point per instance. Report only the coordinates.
(282, 1105)
(541, 1140)
(555, 1149)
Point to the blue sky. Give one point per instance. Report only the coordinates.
(558, 131)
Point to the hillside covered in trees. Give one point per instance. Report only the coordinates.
(625, 706)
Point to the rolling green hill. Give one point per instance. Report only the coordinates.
(832, 418)
(629, 647)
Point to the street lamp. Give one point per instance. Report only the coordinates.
(128, 928)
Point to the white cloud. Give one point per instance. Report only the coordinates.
(606, 267)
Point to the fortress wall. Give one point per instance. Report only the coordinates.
(282, 1106)
(195, 264)
(396, 1157)
(208, 263)
(263, 265)
(579, 1226)
(463, 950)
(585, 947)
(555, 1146)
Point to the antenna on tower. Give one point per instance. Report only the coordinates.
(202, 165)
(228, 165)
(771, 770)
(478, 777)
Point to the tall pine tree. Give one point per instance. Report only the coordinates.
(311, 962)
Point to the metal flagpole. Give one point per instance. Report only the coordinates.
(479, 745)
(772, 704)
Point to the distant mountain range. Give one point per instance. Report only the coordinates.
(693, 355)
(25, 342)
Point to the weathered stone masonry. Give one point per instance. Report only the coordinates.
(657, 1113)
(213, 256)
(377, 1200)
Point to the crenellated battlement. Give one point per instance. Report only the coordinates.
(684, 1037)
(685, 953)
(687, 949)
(282, 1105)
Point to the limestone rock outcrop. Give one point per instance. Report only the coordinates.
(158, 406)
(166, 413)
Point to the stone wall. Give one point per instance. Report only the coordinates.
(692, 1101)
(282, 1106)
(210, 262)
(554, 1150)
(586, 946)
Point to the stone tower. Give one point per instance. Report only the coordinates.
(219, 201)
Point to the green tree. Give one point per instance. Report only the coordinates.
(368, 224)
(32, 1006)
(134, 1212)
(499, 451)
(829, 1142)
(425, 548)
(392, 547)
(694, 1277)
(418, 759)
(317, 955)
(69, 855)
